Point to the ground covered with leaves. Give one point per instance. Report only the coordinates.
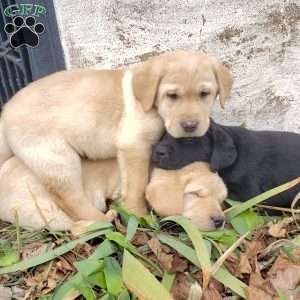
(255, 256)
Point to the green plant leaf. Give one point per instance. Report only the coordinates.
(226, 236)
(124, 295)
(199, 245)
(8, 255)
(140, 281)
(132, 226)
(236, 210)
(105, 249)
(113, 276)
(246, 221)
(51, 254)
(167, 280)
(221, 275)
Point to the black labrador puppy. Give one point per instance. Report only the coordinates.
(250, 162)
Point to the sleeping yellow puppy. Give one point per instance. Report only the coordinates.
(192, 191)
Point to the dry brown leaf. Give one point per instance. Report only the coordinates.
(119, 226)
(211, 293)
(181, 287)
(140, 238)
(178, 264)
(244, 266)
(64, 265)
(258, 282)
(165, 259)
(34, 249)
(279, 229)
(254, 293)
(284, 274)
(5, 293)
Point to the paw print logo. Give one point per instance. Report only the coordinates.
(24, 31)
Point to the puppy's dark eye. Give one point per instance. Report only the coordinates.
(204, 94)
(172, 95)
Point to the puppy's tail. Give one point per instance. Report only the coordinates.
(5, 151)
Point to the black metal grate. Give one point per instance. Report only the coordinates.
(20, 66)
(15, 71)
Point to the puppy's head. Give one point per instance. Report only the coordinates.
(202, 198)
(216, 147)
(194, 192)
(182, 85)
(171, 153)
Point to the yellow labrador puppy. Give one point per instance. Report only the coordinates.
(193, 191)
(98, 114)
(23, 193)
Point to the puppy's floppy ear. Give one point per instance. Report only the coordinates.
(224, 80)
(146, 78)
(224, 152)
(194, 188)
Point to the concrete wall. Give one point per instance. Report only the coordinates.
(259, 40)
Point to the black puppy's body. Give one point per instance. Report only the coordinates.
(250, 162)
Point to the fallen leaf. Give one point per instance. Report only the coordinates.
(181, 287)
(284, 274)
(178, 264)
(279, 229)
(140, 238)
(254, 293)
(258, 282)
(5, 293)
(244, 266)
(166, 260)
(119, 226)
(212, 293)
(34, 249)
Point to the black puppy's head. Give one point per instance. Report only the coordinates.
(216, 147)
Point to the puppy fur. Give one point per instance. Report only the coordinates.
(193, 191)
(250, 162)
(23, 193)
(98, 114)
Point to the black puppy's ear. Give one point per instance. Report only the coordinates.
(224, 151)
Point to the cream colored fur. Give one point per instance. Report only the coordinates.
(56, 121)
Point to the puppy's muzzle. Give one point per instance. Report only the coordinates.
(218, 221)
(160, 153)
(189, 126)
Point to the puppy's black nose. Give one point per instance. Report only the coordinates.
(218, 221)
(189, 126)
(161, 151)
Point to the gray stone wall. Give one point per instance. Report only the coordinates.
(259, 40)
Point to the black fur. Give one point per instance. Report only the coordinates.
(250, 162)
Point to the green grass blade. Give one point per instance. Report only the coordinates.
(106, 248)
(51, 254)
(199, 245)
(221, 275)
(132, 226)
(167, 280)
(140, 281)
(180, 247)
(236, 210)
(120, 239)
(113, 276)
(231, 282)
